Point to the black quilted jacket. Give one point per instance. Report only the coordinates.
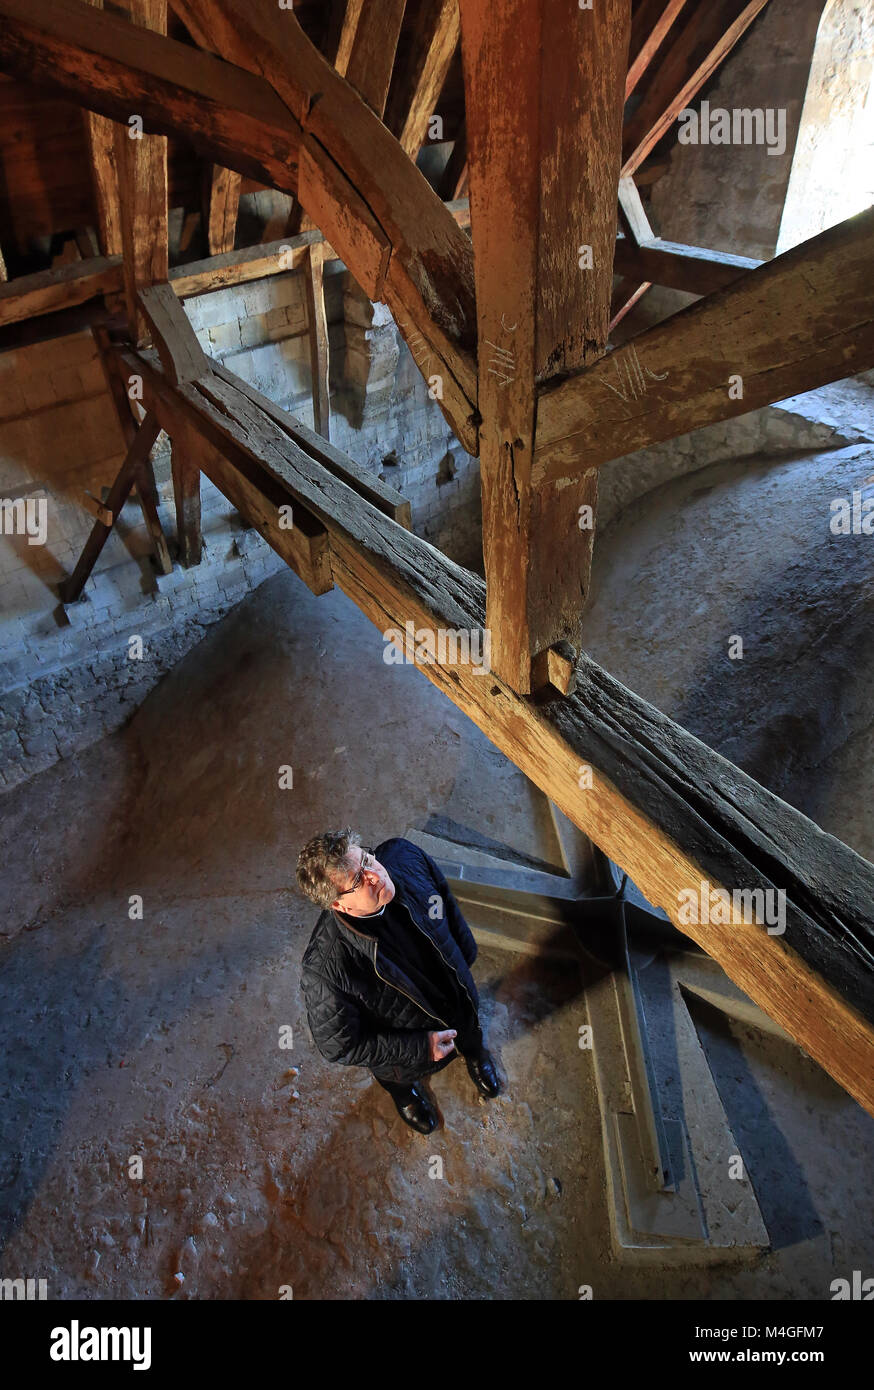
(362, 1010)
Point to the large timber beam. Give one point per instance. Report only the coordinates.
(795, 323)
(544, 169)
(100, 135)
(675, 816)
(29, 296)
(313, 135)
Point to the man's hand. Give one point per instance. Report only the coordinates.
(440, 1044)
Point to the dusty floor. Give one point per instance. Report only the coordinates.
(159, 1037)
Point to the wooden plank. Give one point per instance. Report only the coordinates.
(795, 323)
(689, 268)
(366, 53)
(4, 276)
(28, 296)
(698, 47)
(180, 352)
(370, 486)
(543, 289)
(147, 491)
(221, 203)
(649, 26)
(671, 813)
(148, 432)
(317, 320)
(351, 161)
(142, 173)
(414, 100)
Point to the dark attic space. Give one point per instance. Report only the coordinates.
(436, 713)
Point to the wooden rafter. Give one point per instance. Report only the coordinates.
(795, 323)
(649, 26)
(417, 91)
(701, 41)
(366, 52)
(543, 290)
(665, 808)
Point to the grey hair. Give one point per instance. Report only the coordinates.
(321, 860)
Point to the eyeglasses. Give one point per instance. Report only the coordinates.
(368, 859)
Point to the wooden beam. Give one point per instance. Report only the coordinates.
(186, 491)
(296, 534)
(689, 268)
(699, 46)
(380, 495)
(356, 177)
(142, 174)
(650, 23)
(241, 267)
(434, 40)
(28, 296)
(145, 437)
(221, 201)
(100, 135)
(543, 285)
(144, 482)
(4, 275)
(180, 352)
(314, 281)
(366, 52)
(795, 323)
(676, 817)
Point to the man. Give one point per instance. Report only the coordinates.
(386, 974)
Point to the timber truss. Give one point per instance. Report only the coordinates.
(511, 330)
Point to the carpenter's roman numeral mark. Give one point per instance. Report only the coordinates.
(504, 363)
(419, 347)
(632, 376)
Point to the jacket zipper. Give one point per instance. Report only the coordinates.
(457, 976)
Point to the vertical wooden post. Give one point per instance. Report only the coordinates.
(314, 281)
(544, 88)
(142, 170)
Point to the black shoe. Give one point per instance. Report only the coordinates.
(417, 1111)
(484, 1074)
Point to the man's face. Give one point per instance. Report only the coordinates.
(374, 887)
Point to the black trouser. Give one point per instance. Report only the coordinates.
(469, 1043)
